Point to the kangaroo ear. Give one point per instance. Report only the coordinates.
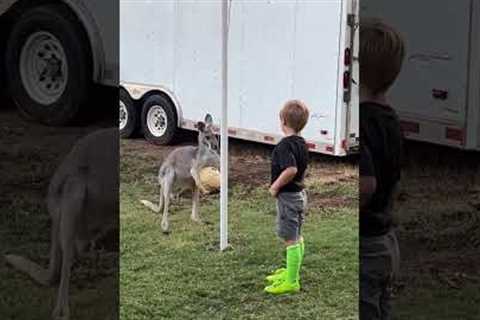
(208, 119)
(200, 126)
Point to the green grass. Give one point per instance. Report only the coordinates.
(24, 230)
(184, 276)
(29, 155)
(440, 303)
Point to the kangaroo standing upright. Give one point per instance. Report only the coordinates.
(83, 205)
(180, 171)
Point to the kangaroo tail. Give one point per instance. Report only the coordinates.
(36, 272)
(152, 206)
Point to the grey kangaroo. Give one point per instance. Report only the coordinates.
(179, 172)
(83, 205)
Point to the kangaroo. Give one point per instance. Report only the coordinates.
(83, 205)
(180, 171)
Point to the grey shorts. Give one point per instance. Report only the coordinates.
(379, 266)
(290, 214)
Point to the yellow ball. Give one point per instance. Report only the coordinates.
(210, 178)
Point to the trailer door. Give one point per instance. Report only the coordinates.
(431, 91)
(474, 88)
(351, 65)
(281, 50)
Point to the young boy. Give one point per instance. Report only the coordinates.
(381, 55)
(289, 163)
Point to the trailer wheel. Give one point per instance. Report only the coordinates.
(48, 64)
(128, 115)
(159, 120)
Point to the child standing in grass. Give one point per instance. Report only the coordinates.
(289, 163)
(382, 51)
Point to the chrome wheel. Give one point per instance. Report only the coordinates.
(43, 67)
(157, 121)
(123, 115)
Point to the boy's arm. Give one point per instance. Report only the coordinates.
(288, 164)
(285, 177)
(368, 181)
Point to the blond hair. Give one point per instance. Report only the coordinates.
(294, 115)
(382, 51)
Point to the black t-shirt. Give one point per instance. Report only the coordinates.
(291, 151)
(367, 168)
(381, 135)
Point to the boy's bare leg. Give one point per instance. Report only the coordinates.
(291, 242)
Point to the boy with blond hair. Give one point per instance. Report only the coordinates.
(289, 163)
(382, 51)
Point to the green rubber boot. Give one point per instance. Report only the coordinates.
(302, 252)
(302, 249)
(290, 283)
(280, 273)
(276, 275)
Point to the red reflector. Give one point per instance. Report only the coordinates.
(346, 80)
(231, 131)
(329, 148)
(311, 145)
(344, 144)
(410, 127)
(455, 134)
(347, 57)
(268, 138)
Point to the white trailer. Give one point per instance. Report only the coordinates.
(52, 51)
(437, 94)
(170, 68)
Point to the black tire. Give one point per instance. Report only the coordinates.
(161, 103)
(131, 116)
(57, 21)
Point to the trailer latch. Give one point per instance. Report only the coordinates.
(351, 20)
(440, 94)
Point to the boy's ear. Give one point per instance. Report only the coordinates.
(200, 126)
(208, 119)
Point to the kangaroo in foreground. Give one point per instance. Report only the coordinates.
(83, 205)
(180, 171)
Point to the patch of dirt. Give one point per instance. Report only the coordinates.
(318, 200)
(439, 217)
(249, 171)
(249, 163)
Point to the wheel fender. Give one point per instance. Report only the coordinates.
(93, 32)
(5, 5)
(139, 92)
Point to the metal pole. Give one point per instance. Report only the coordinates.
(224, 133)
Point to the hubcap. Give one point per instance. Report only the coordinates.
(123, 115)
(157, 121)
(43, 67)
